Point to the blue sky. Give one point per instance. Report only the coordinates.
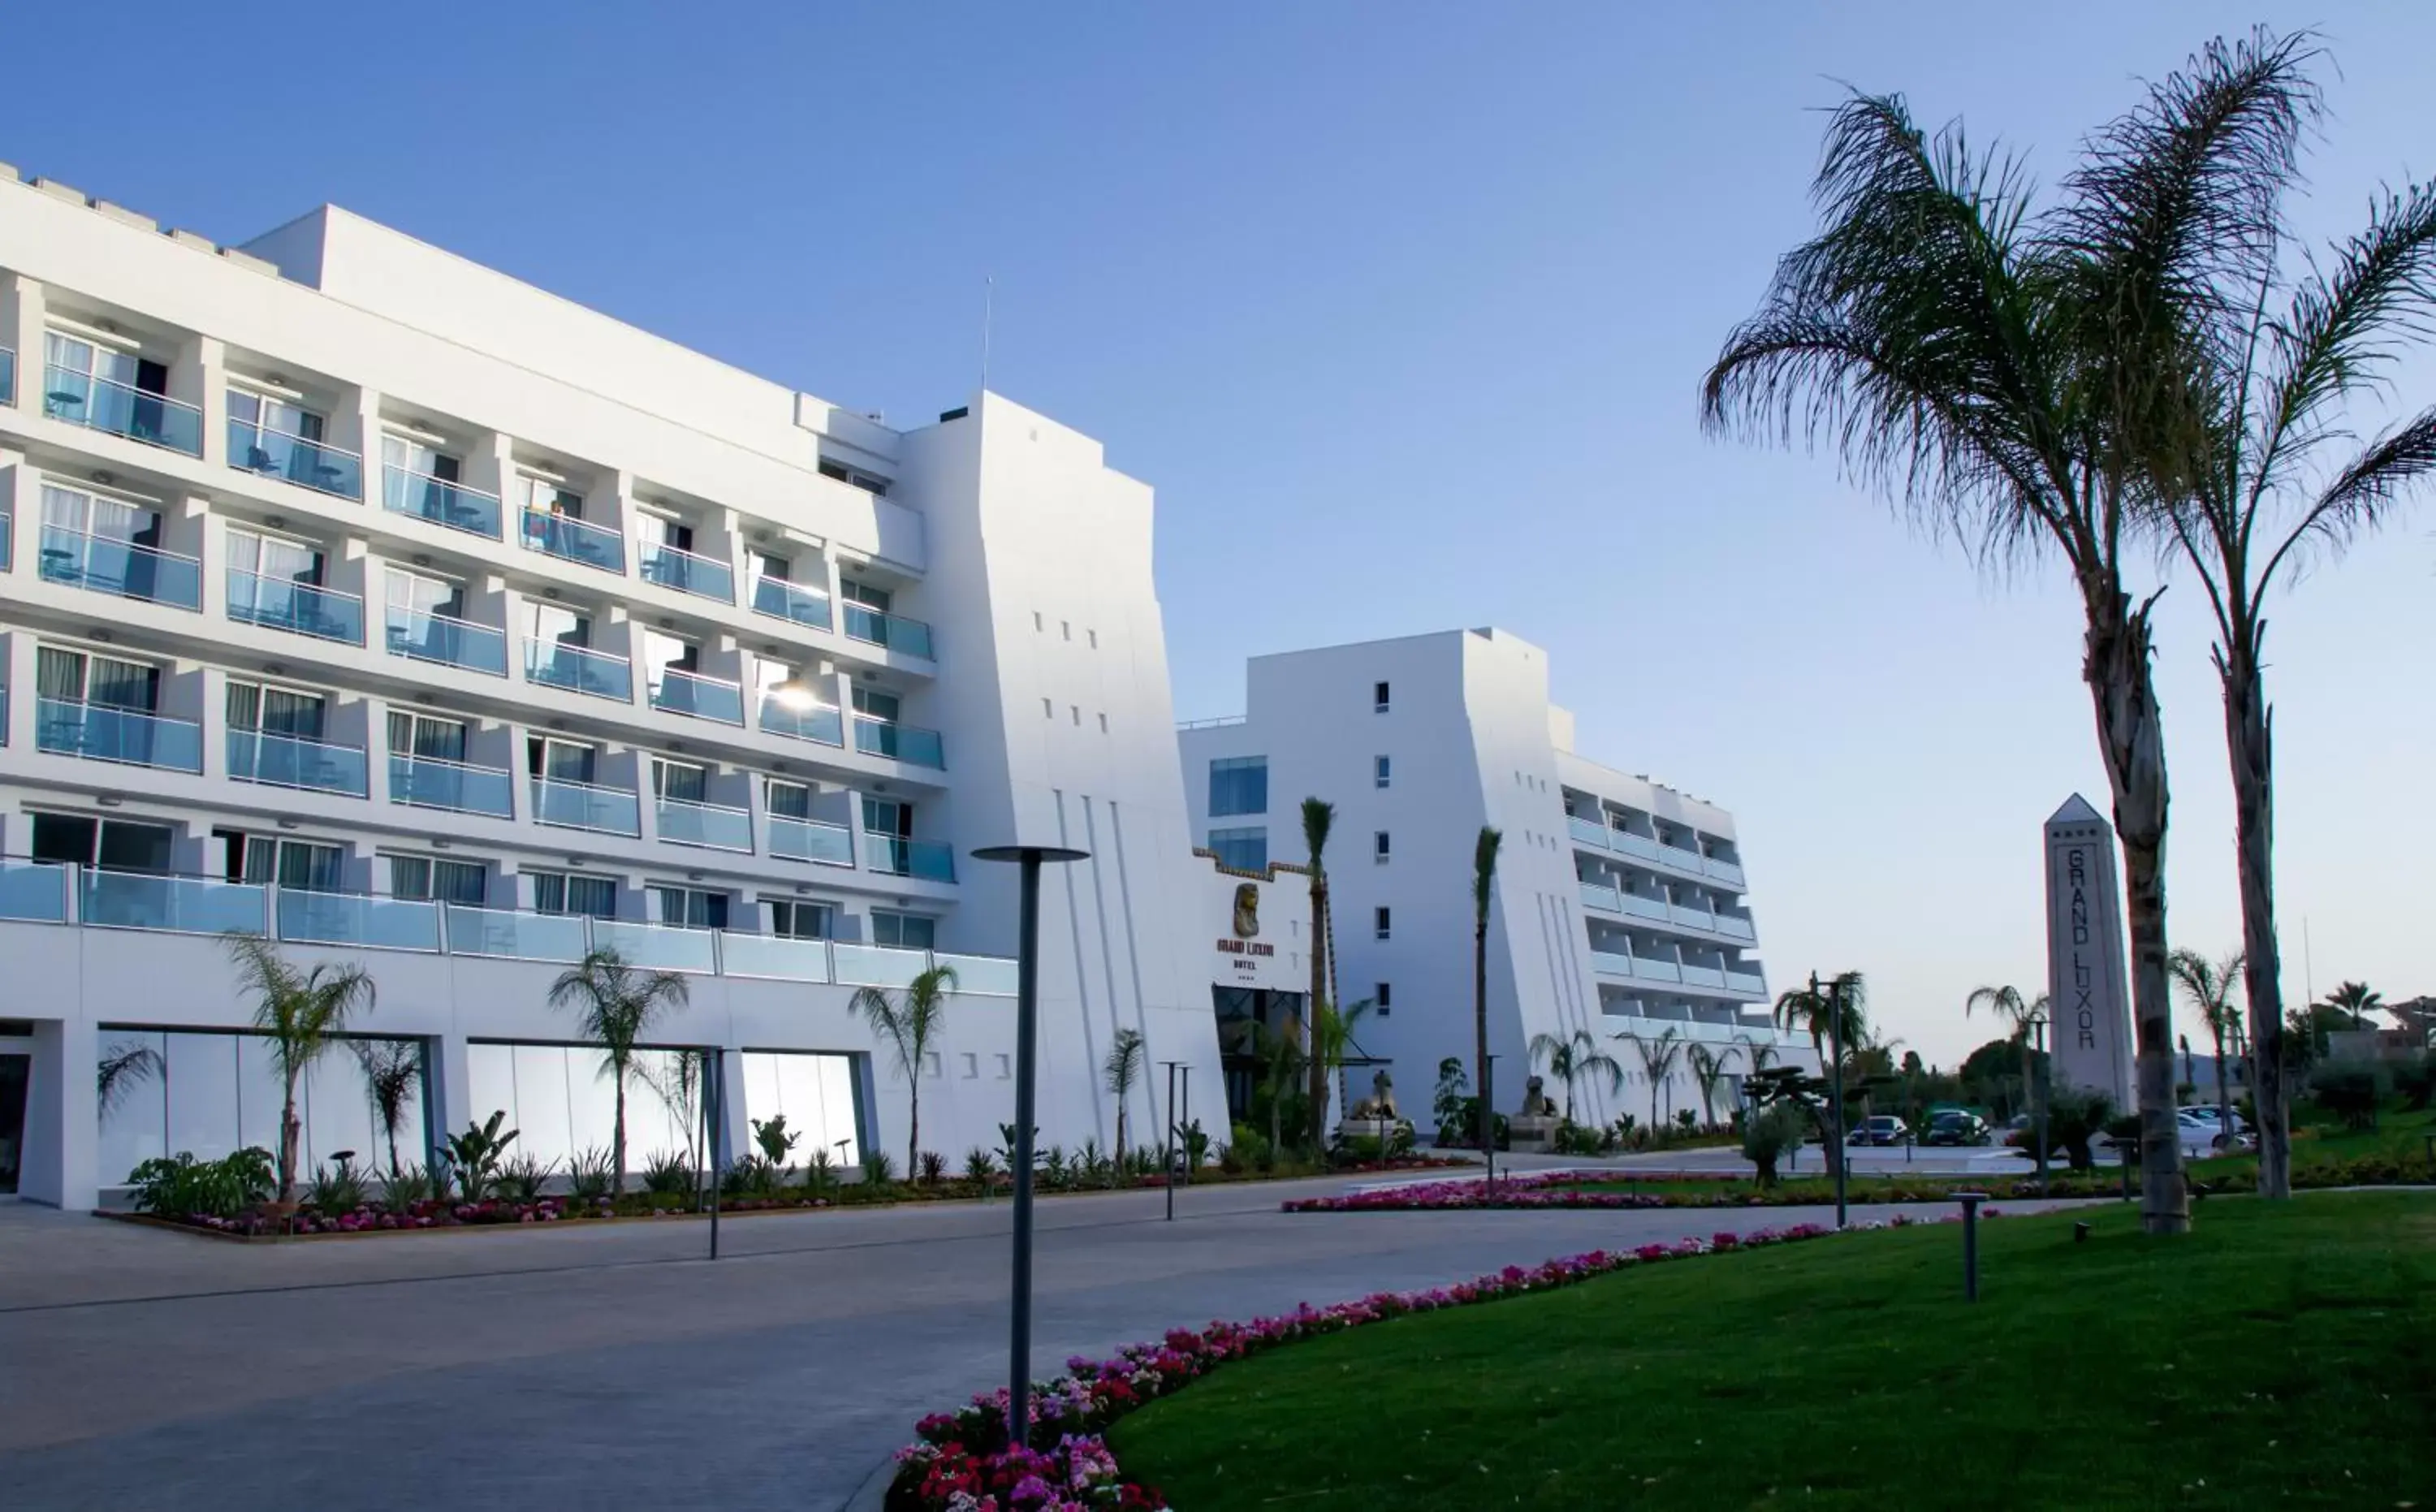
(1400, 308)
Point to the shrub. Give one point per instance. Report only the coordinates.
(1686, 1120)
(933, 1168)
(2416, 1081)
(474, 1156)
(820, 1175)
(776, 1142)
(336, 1187)
(1245, 1147)
(980, 1168)
(879, 1171)
(749, 1175)
(590, 1174)
(182, 1186)
(1768, 1133)
(1196, 1146)
(521, 1179)
(2349, 1090)
(405, 1188)
(669, 1173)
(2073, 1120)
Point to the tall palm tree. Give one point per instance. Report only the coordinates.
(1318, 818)
(2257, 471)
(2209, 987)
(2001, 373)
(1122, 1071)
(1576, 1059)
(2008, 1003)
(1839, 1011)
(909, 1021)
(1658, 1060)
(615, 1005)
(1483, 882)
(2356, 999)
(1709, 1070)
(301, 1014)
(393, 1074)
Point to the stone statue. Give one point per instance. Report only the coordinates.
(1535, 1101)
(1381, 1103)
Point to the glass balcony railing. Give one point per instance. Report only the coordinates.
(299, 608)
(122, 409)
(1639, 907)
(7, 376)
(581, 806)
(406, 491)
(895, 856)
(985, 976)
(1588, 831)
(710, 825)
(306, 464)
(703, 576)
(677, 691)
(1682, 856)
(820, 723)
(7, 540)
(658, 947)
(1691, 918)
(1748, 982)
(572, 540)
(291, 761)
(1738, 928)
(579, 668)
(35, 890)
(432, 782)
(1649, 969)
(351, 918)
(1722, 870)
(781, 600)
(1600, 895)
(101, 732)
(121, 567)
(876, 966)
(773, 956)
(1694, 976)
(185, 905)
(427, 638)
(908, 743)
(516, 936)
(896, 631)
(808, 840)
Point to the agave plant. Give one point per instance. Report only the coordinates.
(590, 1174)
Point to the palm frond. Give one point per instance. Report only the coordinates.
(2364, 492)
(1484, 867)
(124, 1066)
(1318, 818)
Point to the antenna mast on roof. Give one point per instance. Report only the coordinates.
(989, 303)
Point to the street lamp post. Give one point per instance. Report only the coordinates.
(1842, 1153)
(1027, 1035)
(1175, 1131)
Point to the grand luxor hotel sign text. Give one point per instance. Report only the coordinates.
(2089, 1012)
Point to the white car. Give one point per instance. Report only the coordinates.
(2200, 1136)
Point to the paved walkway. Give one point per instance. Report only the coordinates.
(608, 1366)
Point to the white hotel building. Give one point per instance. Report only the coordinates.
(362, 596)
(1620, 907)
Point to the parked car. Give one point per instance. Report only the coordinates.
(2211, 1115)
(1884, 1129)
(2200, 1135)
(1957, 1127)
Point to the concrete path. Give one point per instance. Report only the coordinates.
(610, 1366)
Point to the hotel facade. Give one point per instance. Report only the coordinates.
(366, 598)
(1621, 907)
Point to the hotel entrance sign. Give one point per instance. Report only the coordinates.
(2087, 1000)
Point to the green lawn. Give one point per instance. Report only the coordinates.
(2283, 1352)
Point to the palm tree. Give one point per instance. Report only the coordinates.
(1814, 1011)
(675, 1078)
(1709, 1070)
(1332, 1042)
(2356, 999)
(1122, 1070)
(1574, 1059)
(1484, 881)
(2007, 1002)
(2209, 987)
(301, 1013)
(1759, 1051)
(1279, 1053)
(123, 1067)
(1318, 818)
(1658, 1060)
(615, 1005)
(393, 1074)
(1992, 370)
(909, 1020)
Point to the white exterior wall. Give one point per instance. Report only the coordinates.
(974, 536)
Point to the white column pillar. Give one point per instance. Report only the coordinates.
(448, 1090)
(62, 1118)
(735, 1126)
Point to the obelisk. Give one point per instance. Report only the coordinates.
(2089, 1005)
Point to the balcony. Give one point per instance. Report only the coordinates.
(187, 905)
(1702, 976)
(306, 463)
(351, 918)
(427, 638)
(1588, 831)
(677, 691)
(299, 608)
(1642, 968)
(104, 404)
(710, 825)
(895, 632)
(781, 600)
(876, 966)
(515, 936)
(34, 892)
(579, 668)
(1723, 871)
(987, 976)
(101, 732)
(1750, 983)
(1626, 842)
(121, 568)
(572, 540)
(439, 501)
(7, 375)
(895, 856)
(567, 804)
(703, 576)
(658, 947)
(819, 723)
(908, 743)
(808, 840)
(432, 782)
(290, 761)
(1700, 919)
(775, 957)
(1600, 895)
(1733, 928)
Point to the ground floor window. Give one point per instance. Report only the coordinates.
(819, 1095)
(556, 1100)
(214, 1094)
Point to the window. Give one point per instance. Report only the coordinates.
(557, 625)
(1384, 1000)
(555, 761)
(868, 482)
(1379, 772)
(262, 709)
(110, 844)
(905, 932)
(1036, 622)
(1245, 850)
(1378, 845)
(546, 495)
(411, 456)
(426, 737)
(873, 704)
(265, 415)
(274, 559)
(689, 907)
(1379, 697)
(788, 800)
(431, 880)
(865, 594)
(566, 892)
(1005, 1068)
(793, 919)
(972, 1066)
(1048, 710)
(100, 516)
(71, 677)
(1103, 722)
(1239, 785)
(680, 781)
(660, 530)
(89, 359)
(1382, 924)
(1076, 711)
(302, 864)
(888, 816)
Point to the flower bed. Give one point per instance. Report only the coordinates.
(963, 1462)
(1586, 1188)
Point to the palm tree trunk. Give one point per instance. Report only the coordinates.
(2131, 735)
(1480, 1032)
(618, 1132)
(391, 1132)
(913, 1122)
(288, 1130)
(1321, 938)
(2248, 735)
(1121, 1131)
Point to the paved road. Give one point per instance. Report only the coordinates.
(605, 1365)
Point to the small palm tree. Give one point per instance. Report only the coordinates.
(2356, 999)
(1280, 1054)
(1658, 1061)
(1837, 1011)
(393, 1074)
(2209, 987)
(1573, 1060)
(2008, 1003)
(1483, 882)
(1761, 1053)
(909, 1021)
(1331, 1041)
(1318, 818)
(301, 1013)
(1123, 1069)
(615, 1005)
(1709, 1070)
